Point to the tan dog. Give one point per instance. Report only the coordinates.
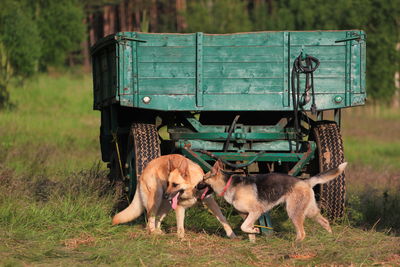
(152, 185)
(254, 195)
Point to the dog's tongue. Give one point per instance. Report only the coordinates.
(175, 201)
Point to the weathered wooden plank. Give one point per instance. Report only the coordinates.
(252, 102)
(242, 85)
(244, 39)
(167, 86)
(242, 50)
(171, 54)
(167, 70)
(166, 39)
(242, 70)
(242, 54)
(323, 53)
(317, 38)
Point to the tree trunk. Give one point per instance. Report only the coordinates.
(180, 19)
(112, 19)
(92, 27)
(106, 20)
(129, 16)
(122, 16)
(153, 16)
(85, 47)
(137, 19)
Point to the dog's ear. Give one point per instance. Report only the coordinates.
(217, 167)
(184, 168)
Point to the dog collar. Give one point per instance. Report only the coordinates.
(226, 186)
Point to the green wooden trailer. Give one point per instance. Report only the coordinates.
(259, 101)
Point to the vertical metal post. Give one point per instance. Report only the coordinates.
(286, 69)
(348, 70)
(265, 221)
(320, 115)
(338, 116)
(199, 69)
(135, 71)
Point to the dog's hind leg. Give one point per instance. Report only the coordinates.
(153, 204)
(214, 208)
(162, 212)
(296, 205)
(314, 213)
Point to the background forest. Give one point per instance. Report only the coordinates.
(36, 35)
(56, 201)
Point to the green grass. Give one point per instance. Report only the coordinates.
(56, 203)
(52, 124)
(377, 153)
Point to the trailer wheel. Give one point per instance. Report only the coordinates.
(329, 155)
(143, 146)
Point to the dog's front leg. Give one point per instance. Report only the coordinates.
(248, 224)
(213, 206)
(180, 221)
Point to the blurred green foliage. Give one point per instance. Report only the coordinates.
(218, 16)
(61, 29)
(35, 35)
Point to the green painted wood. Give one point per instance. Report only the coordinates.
(242, 85)
(199, 69)
(234, 102)
(231, 156)
(285, 70)
(171, 54)
(164, 86)
(242, 70)
(244, 39)
(243, 54)
(245, 71)
(167, 70)
(165, 39)
(317, 38)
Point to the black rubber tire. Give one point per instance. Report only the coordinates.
(143, 146)
(329, 155)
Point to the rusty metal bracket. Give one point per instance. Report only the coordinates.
(304, 160)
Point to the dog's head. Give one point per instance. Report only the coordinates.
(179, 184)
(216, 175)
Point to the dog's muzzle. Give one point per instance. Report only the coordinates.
(170, 196)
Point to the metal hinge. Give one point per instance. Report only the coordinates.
(123, 38)
(354, 37)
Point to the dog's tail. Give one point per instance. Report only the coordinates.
(326, 176)
(134, 210)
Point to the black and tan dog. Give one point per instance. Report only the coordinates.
(254, 195)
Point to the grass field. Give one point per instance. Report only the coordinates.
(56, 204)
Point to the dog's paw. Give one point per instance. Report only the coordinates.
(180, 234)
(252, 238)
(158, 232)
(251, 230)
(232, 235)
